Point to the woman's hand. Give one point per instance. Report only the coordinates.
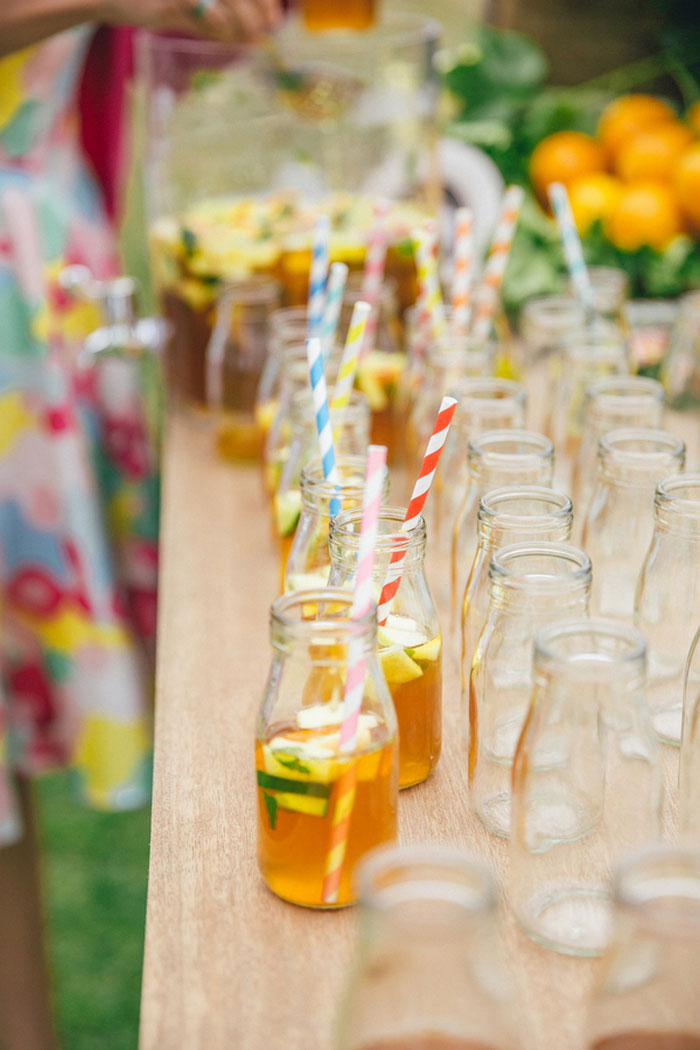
(219, 19)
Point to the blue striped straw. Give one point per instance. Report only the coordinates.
(571, 243)
(314, 353)
(334, 300)
(318, 273)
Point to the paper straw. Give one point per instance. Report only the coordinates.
(314, 354)
(318, 274)
(351, 354)
(373, 274)
(487, 297)
(355, 679)
(463, 272)
(426, 264)
(571, 243)
(416, 504)
(422, 325)
(334, 300)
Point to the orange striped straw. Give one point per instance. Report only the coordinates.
(490, 287)
(462, 272)
(416, 504)
(355, 679)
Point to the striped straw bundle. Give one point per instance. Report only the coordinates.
(355, 679)
(314, 354)
(416, 504)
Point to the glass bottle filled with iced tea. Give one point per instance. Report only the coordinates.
(410, 643)
(308, 563)
(646, 993)
(321, 15)
(320, 806)
(350, 425)
(429, 972)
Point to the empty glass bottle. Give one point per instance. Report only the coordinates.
(429, 973)
(587, 781)
(667, 602)
(512, 514)
(689, 776)
(610, 403)
(530, 585)
(680, 370)
(620, 520)
(646, 992)
(549, 321)
(494, 459)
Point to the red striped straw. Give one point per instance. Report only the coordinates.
(416, 504)
(355, 680)
(463, 272)
(488, 291)
(373, 275)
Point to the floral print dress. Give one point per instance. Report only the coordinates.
(75, 678)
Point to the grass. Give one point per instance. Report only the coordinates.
(95, 875)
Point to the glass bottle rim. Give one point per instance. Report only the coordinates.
(472, 886)
(587, 347)
(613, 447)
(630, 642)
(484, 392)
(549, 311)
(647, 880)
(287, 618)
(345, 530)
(302, 417)
(491, 512)
(254, 290)
(484, 446)
(621, 394)
(439, 356)
(503, 568)
(669, 496)
(351, 472)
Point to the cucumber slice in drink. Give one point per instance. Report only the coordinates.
(287, 511)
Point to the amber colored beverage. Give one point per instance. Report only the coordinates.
(646, 1040)
(320, 15)
(297, 775)
(427, 1041)
(418, 702)
(237, 439)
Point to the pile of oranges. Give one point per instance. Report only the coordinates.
(639, 175)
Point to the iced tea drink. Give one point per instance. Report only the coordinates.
(410, 644)
(322, 15)
(302, 774)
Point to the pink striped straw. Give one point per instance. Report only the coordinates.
(416, 504)
(487, 295)
(373, 275)
(463, 272)
(362, 594)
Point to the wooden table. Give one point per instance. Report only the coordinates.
(227, 964)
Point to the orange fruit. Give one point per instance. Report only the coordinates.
(652, 154)
(687, 184)
(693, 117)
(628, 114)
(593, 197)
(646, 213)
(563, 157)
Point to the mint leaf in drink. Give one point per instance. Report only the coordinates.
(293, 762)
(271, 807)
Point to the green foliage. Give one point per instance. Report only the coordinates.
(95, 875)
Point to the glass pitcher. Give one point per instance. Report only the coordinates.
(304, 778)
(429, 973)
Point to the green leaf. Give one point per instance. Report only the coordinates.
(189, 242)
(293, 762)
(271, 807)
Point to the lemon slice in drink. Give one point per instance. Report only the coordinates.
(399, 634)
(398, 667)
(429, 651)
(305, 581)
(401, 631)
(287, 511)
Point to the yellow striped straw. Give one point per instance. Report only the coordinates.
(428, 280)
(351, 355)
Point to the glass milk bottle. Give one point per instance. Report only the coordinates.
(620, 520)
(667, 602)
(587, 781)
(610, 403)
(530, 585)
(429, 972)
(689, 776)
(304, 777)
(309, 562)
(410, 643)
(506, 515)
(494, 459)
(646, 992)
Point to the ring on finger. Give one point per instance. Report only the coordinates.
(199, 9)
